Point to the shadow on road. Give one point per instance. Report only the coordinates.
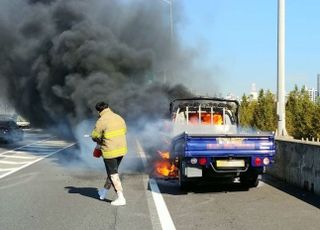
(85, 191)
(172, 188)
(298, 193)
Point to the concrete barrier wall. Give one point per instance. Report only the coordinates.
(298, 163)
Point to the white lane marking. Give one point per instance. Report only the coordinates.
(141, 153)
(7, 169)
(162, 210)
(18, 157)
(13, 162)
(12, 150)
(154, 217)
(164, 215)
(35, 161)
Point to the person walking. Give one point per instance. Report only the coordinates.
(110, 134)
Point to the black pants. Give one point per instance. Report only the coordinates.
(112, 166)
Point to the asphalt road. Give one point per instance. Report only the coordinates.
(60, 192)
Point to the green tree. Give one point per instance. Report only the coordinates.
(291, 107)
(246, 111)
(264, 116)
(300, 114)
(316, 122)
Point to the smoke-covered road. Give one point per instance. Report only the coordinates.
(35, 146)
(61, 193)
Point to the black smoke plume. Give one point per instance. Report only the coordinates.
(58, 58)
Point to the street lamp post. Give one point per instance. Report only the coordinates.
(281, 70)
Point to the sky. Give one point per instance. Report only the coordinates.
(238, 42)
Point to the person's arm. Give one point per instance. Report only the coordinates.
(97, 133)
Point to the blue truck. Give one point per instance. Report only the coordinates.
(208, 145)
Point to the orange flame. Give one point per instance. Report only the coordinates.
(164, 167)
(206, 119)
(164, 155)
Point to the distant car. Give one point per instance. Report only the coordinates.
(22, 123)
(10, 131)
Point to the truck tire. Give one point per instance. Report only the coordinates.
(183, 184)
(250, 182)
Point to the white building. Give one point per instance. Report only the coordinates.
(253, 94)
(313, 94)
(231, 96)
(318, 84)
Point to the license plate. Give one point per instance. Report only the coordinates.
(230, 163)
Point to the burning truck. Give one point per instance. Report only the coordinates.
(207, 145)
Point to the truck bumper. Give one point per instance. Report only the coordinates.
(190, 172)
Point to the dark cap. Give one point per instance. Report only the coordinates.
(101, 106)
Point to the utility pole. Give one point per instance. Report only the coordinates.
(281, 70)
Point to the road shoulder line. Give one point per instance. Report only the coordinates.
(21, 147)
(161, 207)
(35, 161)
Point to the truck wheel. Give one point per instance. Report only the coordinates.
(250, 182)
(183, 185)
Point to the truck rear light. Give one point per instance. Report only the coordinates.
(266, 161)
(258, 161)
(202, 161)
(193, 161)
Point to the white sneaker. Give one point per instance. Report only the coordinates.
(102, 193)
(119, 201)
